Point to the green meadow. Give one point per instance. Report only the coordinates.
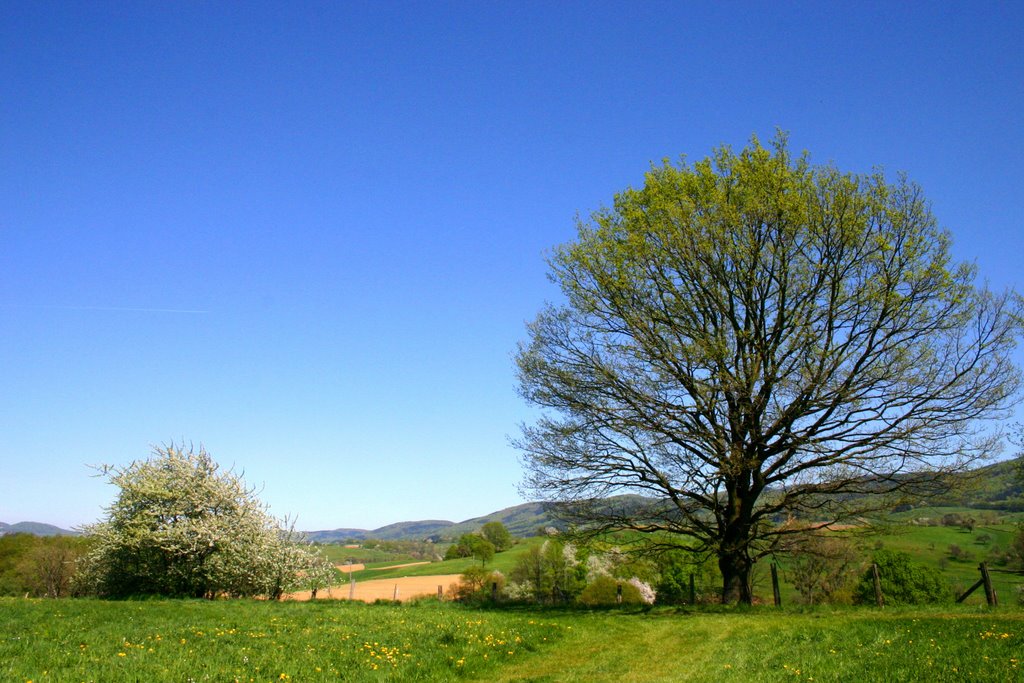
(85, 640)
(162, 640)
(243, 640)
(503, 562)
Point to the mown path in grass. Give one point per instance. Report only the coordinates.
(761, 645)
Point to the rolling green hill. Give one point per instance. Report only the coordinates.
(999, 486)
(521, 520)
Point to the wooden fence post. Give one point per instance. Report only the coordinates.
(618, 594)
(990, 591)
(693, 593)
(395, 595)
(775, 585)
(878, 585)
(440, 593)
(494, 591)
(352, 586)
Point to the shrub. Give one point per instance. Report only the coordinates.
(903, 581)
(478, 585)
(456, 551)
(999, 556)
(952, 519)
(673, 586)
(958, 553)
(822, 567)
(1016, 549)
(604, 590)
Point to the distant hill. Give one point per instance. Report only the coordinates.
(399, 531)
(521, 520)
(34, 528)
(999, 486)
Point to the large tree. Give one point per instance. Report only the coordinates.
(756, 345)
(182, 526)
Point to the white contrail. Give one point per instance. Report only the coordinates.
(125, 309)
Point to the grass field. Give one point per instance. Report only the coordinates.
(160, 640)
(503, 562)
(767, 645)
(339, 554)
(87, 640)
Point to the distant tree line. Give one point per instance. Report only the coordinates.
(39, 566)
(492, 538)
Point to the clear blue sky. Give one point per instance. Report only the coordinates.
(309, 235)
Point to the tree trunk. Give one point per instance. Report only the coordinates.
(735, 568)
(733, 552)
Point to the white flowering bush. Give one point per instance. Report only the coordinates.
(647, 594)
(549, 573)
(598, 564)
(521, 592)
(181, 526)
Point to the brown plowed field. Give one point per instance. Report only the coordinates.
(377, 589)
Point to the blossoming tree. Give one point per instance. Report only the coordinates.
(181, 526)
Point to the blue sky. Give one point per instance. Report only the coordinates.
(309, 235)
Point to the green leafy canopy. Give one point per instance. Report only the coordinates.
(757, 344)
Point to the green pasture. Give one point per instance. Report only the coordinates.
(936, 512)
(163, 640)
(930, 545)
(339, 554)
(503, 562)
